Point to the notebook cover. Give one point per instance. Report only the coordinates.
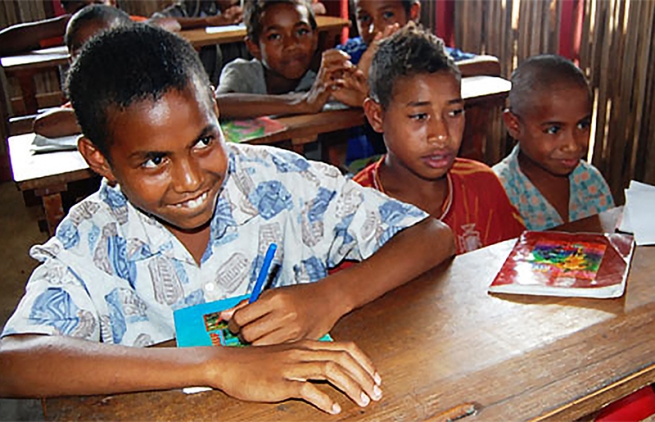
(247, 129)
(566, 264)
(200, 325)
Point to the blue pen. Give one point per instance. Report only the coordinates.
(263, 274)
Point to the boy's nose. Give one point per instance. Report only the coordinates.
(438, 132)
(187, 177)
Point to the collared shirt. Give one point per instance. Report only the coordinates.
(589, 193)
(476, 209)
(114, 274)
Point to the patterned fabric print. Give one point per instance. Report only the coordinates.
(589, 193)
(114, 274)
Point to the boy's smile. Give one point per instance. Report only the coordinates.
(554, 133)
(287, 43)
(423, 124)
(375, 15)
(168, 157)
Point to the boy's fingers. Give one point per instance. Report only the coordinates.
(313, 395)
(266, 330)
(228, 313)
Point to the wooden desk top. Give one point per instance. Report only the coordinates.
(36, 171)
(55, 56)
(43, 170)
(442, 341)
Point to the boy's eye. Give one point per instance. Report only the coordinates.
(303, 31)
(419, 116)
(273, 37)
(456, 113)
(364, 18)
(388, 15)
(552, 130)
(203, 142)
(584, 124)
(153, 162)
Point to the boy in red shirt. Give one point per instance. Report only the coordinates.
(415, 102)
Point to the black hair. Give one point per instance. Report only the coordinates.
(254, 9)
(540, 73)
(109, 15)
(410, 51)
(126, 65)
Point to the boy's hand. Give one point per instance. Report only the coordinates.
(367, 58)
(333, 64)
(351, 89)
(285, 314)
(276, 373)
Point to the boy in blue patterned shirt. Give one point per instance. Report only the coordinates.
(182, 218)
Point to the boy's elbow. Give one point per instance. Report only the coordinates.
(445, 240)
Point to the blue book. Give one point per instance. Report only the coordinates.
(201, 325)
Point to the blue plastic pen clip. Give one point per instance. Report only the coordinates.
(263, 274)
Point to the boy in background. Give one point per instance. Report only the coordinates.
(180, 219)
(549, 115)
(85, 24)
(416, 103)
(282, 37)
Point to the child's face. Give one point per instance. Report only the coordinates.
(169, 157)
(423, 124)
(375, 15)
(554, 132)
(287, 42)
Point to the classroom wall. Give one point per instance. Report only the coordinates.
(614, 43)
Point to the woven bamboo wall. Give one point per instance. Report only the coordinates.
(617, 54)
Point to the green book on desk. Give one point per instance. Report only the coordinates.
(247, 129)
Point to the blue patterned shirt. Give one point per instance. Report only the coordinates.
(589, 193)
(114, 274)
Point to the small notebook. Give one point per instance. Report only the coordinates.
(566, 264)
(201, 325)
(247, 129)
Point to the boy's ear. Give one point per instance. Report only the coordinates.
(95, 159)
(254, 49)
(374, 114)
(415, 12)
(512, 123)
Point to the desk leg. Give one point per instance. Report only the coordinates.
(28, 91)
(52, 205)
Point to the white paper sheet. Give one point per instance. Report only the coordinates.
(639, 213)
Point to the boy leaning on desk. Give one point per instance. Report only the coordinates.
(182, 218)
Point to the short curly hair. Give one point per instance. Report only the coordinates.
(539, 73)
(126, 65)
(109, 15)
(254, 9)
(410, 51)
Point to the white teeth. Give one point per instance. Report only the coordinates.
(193, 203)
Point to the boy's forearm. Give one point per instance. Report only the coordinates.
(407, 255)
(42, 366)
(236, 105)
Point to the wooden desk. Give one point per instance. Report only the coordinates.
(25, 66)
(441, 341)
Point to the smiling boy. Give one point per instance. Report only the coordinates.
(181, 218)
(416, 103)
(546, 176)
(282, 37)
